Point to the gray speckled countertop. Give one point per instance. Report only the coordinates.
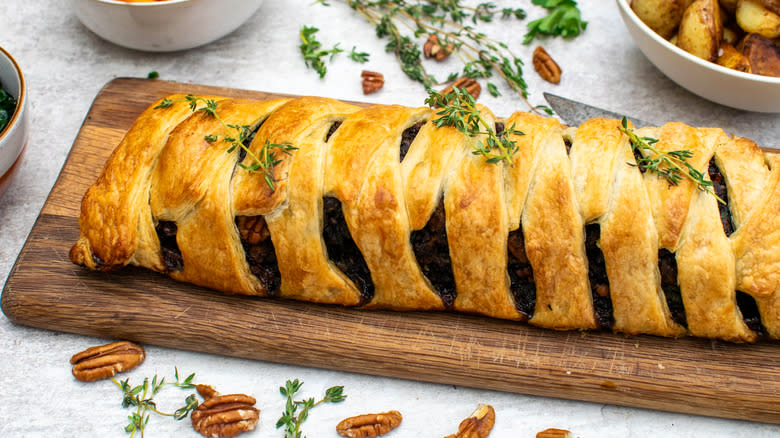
(66, 65)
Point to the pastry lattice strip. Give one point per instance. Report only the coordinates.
(379, 208)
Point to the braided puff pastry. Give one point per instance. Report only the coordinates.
(379, 208)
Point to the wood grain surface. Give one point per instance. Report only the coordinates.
(46, 290)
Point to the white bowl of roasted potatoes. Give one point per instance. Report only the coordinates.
(727, 51)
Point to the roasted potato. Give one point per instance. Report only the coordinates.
(743, 35)
(732, 58)
(762, 53)
(663, 16)
(772, 5)
(701, 29)
(755, 18)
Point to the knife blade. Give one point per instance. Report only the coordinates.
(575, 113)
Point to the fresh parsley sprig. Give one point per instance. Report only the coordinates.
(141, 397)
(297, 411)
(458, 109)
(563, 19)
(237, 136)
(672, 166)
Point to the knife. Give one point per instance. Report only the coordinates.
(575, 113)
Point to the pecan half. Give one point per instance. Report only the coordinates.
(478, 424)
(547, 68)
(252, 229)
(369, 425)
(372, 81)
(104, 361)
(433, 49)
(225, 415)
(206, 391)
(554, 433)
(471, 85)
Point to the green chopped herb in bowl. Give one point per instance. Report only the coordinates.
(7, 107)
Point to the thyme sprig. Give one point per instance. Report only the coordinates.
(141, 397)
(458, 109)
(481, 56)
(672, 166)
(269, 159)
(237, 136)
(313, 53)
(292, 417)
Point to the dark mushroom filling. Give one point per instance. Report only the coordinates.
(499, 129)
(667, 265)
(749, 309)
(332, 129)
(719, 187)
(432, 251)
(521, 275)
(567, 143)
(166, 233)
(407, 137)
(638, 157)
(342, 250)
(259, 250)
(597, 274)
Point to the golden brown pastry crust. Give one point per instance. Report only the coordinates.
(610, 192)
(165, 170)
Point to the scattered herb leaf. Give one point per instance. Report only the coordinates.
(297, 411)
(672, 166)
(313, 53)
(458, 109)
(360, 57)
(153, 75)
(563, 19)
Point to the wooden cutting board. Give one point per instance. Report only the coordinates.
(46, 290)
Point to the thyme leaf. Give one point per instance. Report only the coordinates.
(672, 166)
(297, 411)
(360, 57)
(141, 397)
(458, 109)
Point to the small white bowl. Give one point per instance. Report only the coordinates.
(13, 139)
(719, 84)
(164, 26)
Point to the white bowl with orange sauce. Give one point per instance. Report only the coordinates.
(163, 25)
